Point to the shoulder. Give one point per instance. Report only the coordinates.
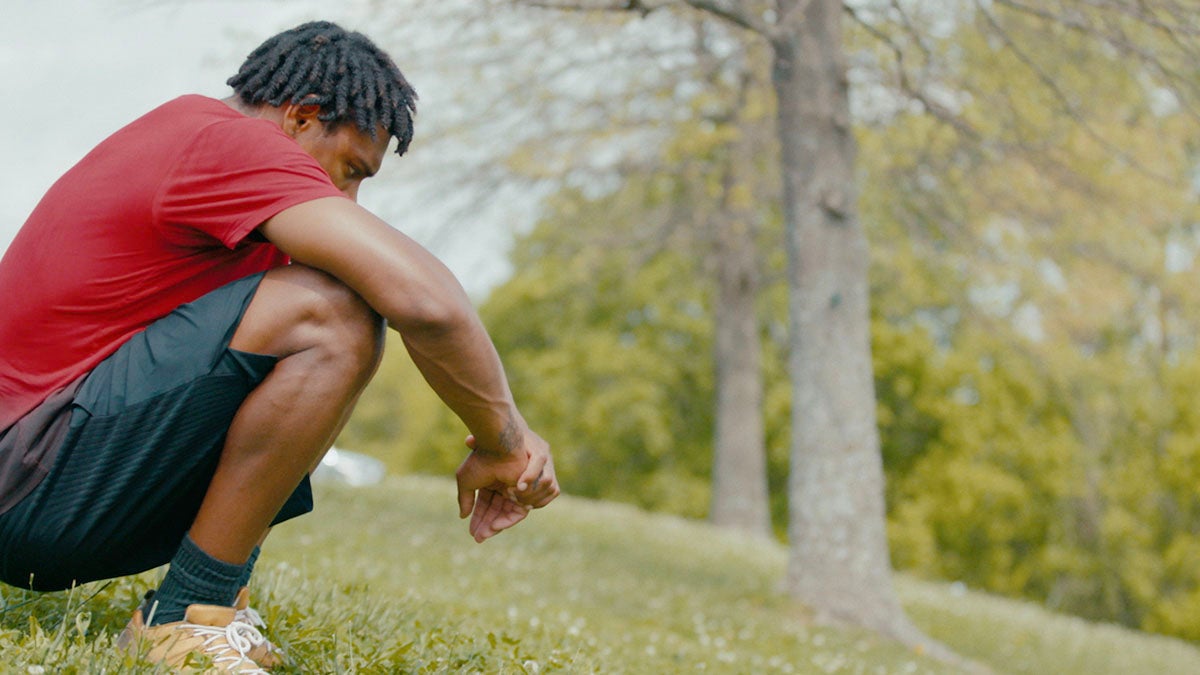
(192, 117)
(207, 132)
(209, 116)
(191, 111)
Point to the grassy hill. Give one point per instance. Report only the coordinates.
(386, 580)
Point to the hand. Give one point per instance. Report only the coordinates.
(498, 491)
(485, 496)
(537, 485)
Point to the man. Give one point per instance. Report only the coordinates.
(168, 379)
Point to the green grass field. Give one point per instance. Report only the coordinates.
(386, 580)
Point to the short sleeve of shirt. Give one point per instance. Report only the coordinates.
(230, 177)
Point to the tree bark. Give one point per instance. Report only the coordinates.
(839, 563)
(739, 484)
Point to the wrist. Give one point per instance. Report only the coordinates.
(503, 443)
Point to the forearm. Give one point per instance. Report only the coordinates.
(420, 298)
(461, 365)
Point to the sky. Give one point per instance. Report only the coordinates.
(77, 70)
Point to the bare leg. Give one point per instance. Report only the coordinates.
(329, 343)
(317, 461)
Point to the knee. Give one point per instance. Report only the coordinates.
(299, 309)
(343, 325)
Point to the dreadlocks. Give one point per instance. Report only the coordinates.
(320, 63)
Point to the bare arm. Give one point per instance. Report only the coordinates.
(423, 301)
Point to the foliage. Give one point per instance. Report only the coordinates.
(1033, 339)
(608, 352)
(580, 587)
(1050, 464)
(1033, 326)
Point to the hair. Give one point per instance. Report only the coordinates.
(342, 72)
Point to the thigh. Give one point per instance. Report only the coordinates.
(145, 435)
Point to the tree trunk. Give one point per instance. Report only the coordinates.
(839, 563)
(739, 485)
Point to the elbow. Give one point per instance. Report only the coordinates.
(419, 298)
(432, 316)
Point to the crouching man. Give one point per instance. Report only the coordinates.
(186, 321)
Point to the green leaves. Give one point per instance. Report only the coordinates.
(1034, 308)
(606, 346)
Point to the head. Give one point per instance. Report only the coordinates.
(332, 81)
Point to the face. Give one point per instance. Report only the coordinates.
(348, 155)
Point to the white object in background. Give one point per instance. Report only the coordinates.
(348, 468)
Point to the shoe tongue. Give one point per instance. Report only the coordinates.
(210, 615)
(242, 601)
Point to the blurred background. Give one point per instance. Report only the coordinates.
(607, 186)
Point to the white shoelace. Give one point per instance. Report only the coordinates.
(239, 638)
(250, 616)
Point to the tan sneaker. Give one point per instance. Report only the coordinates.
(206, 632)
(266, 655)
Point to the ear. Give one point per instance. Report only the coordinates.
(298, 117)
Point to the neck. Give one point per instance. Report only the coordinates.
(259, 111)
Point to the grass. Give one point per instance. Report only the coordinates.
(386, 580)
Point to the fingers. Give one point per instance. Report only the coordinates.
(485, 511)
(510, 515)
(498, 492)
(483, 502)
(466, 500)
(465, 479)
(542, 488)
(537, 485)
(541, 493)
(532, 473)
(494, 513)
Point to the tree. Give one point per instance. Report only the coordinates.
(805, 45)
(1040, 422)
(740, 499)
(839, 558)
(839, 563)
(556, 137)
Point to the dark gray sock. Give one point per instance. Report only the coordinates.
(244, 580)
(194, 578)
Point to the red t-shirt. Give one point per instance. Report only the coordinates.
(155, 217)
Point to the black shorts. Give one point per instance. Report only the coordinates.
(146, 430)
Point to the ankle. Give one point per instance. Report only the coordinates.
(194, 578)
